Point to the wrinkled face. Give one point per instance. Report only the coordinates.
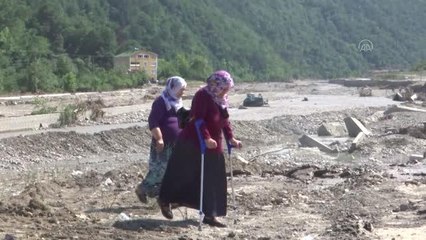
(223, 92)
(180, 93)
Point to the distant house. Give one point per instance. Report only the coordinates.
(140, 60)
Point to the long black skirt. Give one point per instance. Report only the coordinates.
(181, 182)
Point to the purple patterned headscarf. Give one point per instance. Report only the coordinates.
(218, 81)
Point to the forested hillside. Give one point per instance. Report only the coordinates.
(68, 45)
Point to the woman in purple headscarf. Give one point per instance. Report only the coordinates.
(181, 182)
(163, 123)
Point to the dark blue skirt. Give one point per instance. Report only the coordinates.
(181, 182)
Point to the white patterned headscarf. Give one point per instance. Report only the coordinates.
(216, 83)
(173, 86)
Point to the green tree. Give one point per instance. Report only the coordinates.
(40, 77)
(166, 69)
(70, 82)
(199, 68)
(65, 65)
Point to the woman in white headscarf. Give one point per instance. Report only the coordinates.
(163, 123)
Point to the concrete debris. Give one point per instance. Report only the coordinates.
(307, 141)
(354, 126)
(242, 160)
(365, 92)
(416, 157)
(356, 142)
(398, 97)
(396, 108)
(43, 126)
(108, 182)
(377, 116)
(76, 173)
(332, 129)
(404, 94)
(122, 217)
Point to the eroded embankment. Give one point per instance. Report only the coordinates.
(22, 151)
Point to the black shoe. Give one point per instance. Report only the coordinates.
(141, 195)
(165, 209)
(212, 221)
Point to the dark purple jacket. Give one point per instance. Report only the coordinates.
(165, 120)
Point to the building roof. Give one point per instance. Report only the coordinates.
(130, 53)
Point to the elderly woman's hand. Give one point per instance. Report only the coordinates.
(159, 146)
(235, 143)
(211, 143)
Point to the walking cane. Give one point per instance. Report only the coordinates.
(203, 150)
(234, 207)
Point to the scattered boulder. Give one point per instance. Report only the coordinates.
(37, 205)
(254, 101)
(332, 129)
(9, 237)
(365, 92)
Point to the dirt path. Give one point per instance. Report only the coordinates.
(79, 184)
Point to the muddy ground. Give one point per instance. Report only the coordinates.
(69, 185)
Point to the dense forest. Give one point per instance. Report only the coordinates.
(68, 45)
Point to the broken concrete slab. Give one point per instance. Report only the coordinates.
(335, 129)
(356, 142)
(354, 126)
(397, 108)
(398, 97)
(43, 126)
(416, 157)
(377, 116)
(242, 160)
(308, 141)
